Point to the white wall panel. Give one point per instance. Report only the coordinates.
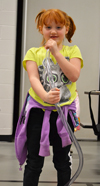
(6, 106)
(6, 79)
(8, 14)
(8, 32)
(7, 62)
(6, 92)
(9, 5)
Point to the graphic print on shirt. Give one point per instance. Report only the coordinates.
(60, 79)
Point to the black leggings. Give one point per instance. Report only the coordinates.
(35, 162)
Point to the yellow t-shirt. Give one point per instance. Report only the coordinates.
(67, 88)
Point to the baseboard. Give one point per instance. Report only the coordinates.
(8, 138)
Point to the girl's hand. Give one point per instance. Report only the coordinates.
(52, 46)
(53, 96)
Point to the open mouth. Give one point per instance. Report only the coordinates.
(53, 37)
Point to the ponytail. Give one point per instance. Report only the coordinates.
(72, 29)
(38, 18)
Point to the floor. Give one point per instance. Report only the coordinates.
(89, 176)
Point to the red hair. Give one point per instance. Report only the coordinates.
(59, 17)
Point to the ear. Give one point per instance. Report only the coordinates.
(40, 29)
(67, 29)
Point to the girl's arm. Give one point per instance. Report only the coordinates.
(50, 97)
(70, 68)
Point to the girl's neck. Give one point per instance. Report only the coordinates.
(60, 47)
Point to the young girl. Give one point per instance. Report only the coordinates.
(44, 126)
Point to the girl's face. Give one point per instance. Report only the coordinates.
(55, 31)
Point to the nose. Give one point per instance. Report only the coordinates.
(53, 31)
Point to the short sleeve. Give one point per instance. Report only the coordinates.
(30, 56)
(77, 54)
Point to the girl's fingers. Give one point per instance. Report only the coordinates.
(55, 99)
(55, 91)
(53, 96)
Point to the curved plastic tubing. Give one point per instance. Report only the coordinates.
(65, 123)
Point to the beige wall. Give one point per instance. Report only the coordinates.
(8, 9)
(86, 14)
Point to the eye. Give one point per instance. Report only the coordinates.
(58, 27)
(48, 27)
(47, 79)
(64, 79)
(55, 78)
